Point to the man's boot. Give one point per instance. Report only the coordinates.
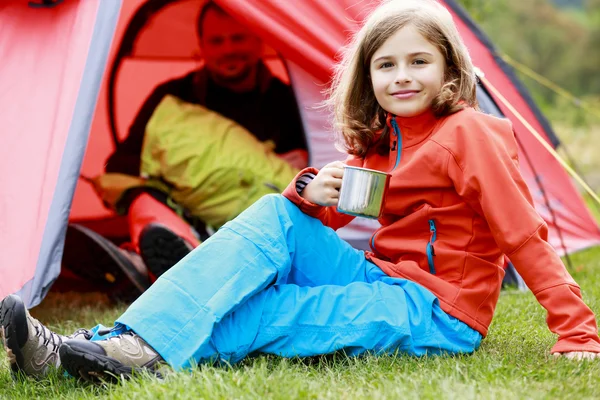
(162, 237)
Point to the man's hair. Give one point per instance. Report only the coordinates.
(356, 113)
(209, 5)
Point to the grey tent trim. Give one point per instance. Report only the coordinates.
(51, 249)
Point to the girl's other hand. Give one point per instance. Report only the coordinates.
(324, 190)
(578, 355)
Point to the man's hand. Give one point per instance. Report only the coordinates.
(578, 355)
(324, 190)
(296, 158)
(110, 187)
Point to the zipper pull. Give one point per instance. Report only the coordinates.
(432, 237)
(394, 145)
(395, 127)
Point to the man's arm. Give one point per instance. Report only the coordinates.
(126, 157)
(292, 135)
(292, 145)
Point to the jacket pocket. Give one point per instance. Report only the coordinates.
(430, 248)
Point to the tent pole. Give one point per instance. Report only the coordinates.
(126, 45)
(547, 201)
(540, 139)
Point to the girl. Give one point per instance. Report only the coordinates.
(278, 279)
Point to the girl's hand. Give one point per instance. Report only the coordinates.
(324, 190)
(578, 355)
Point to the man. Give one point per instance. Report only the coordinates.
(233, 82)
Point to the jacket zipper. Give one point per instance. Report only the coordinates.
(430, 249)
(396, 146)
(396, 132)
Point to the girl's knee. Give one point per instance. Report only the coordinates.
(273, 198)
(277, 201)
(272, 207)
(266, 202)
(268, 206)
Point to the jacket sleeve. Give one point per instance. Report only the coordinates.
(329, 216)
(485, 172)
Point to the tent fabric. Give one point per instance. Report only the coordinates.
(62, 51)
(45, 121)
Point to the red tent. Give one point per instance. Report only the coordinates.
(75, 72)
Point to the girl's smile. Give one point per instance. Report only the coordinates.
(405, 94)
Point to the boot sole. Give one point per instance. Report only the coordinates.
(96, 368)
(12, 318)
(161, 249)
(90, 256)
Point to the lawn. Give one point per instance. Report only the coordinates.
(513, 362)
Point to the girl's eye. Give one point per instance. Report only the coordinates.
(420, 62)
(386, 65)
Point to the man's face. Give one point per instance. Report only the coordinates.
(231, 51)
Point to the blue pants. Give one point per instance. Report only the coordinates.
(277, 281)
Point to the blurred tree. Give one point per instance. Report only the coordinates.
(550, 41)
(592, 58)
(569, 3)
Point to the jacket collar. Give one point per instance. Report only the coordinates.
(413, 130)
(201, 77)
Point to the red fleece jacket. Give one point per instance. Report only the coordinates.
(456, 205)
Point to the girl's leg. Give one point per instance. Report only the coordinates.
(177, 315)
(382, 315)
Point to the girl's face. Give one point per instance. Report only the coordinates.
(407, 73)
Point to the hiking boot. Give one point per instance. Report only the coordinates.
(119, 272)
(118, 356)
(32, 349)
(161, 248)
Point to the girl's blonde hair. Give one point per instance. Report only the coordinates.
(356, 113)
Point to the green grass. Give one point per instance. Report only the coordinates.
(512, 363)
(582, 143)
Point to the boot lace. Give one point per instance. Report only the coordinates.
(49, 337)
(81, 331)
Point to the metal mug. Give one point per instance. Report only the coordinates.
(363, 192)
